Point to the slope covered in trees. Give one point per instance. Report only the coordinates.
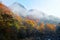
(14, 27)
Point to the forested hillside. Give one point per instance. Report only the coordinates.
(14, 27)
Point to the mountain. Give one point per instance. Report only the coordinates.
(18, 9)
(43, 17)
(26, 29)
(33, 14)
(36, 13)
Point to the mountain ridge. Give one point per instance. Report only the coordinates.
(18, 9)
(34, 13)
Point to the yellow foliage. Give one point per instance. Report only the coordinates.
(18, 17)
(32, 22)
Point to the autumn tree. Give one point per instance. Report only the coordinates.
(51, 27)
(41, 27)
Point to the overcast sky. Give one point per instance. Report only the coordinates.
(50, 7)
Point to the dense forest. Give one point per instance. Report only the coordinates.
(14, 27)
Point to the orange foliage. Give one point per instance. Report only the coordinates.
(5, 9)
(51, 27)
(41, 27)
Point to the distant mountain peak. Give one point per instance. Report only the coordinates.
(36, 13)
(35, 10)
(18, 8)
(18, 4)
(32, 10)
